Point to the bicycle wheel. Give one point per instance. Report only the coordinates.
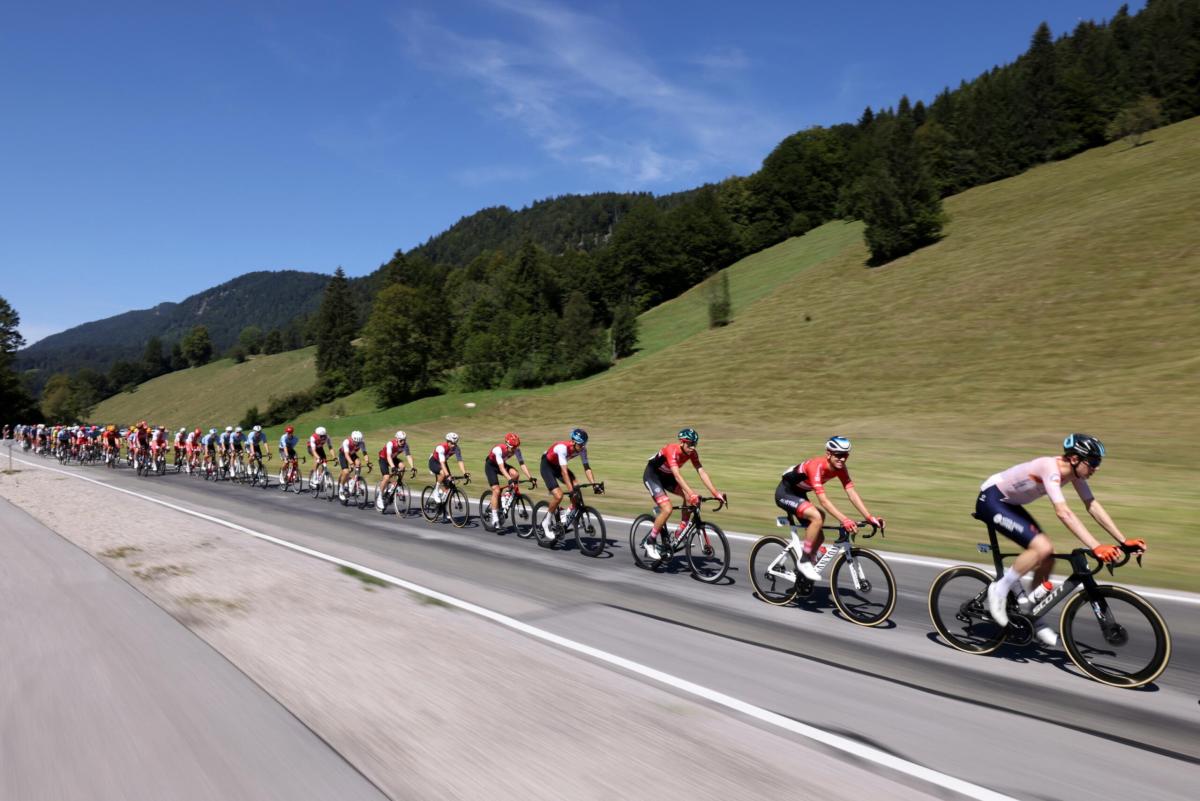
(1115, 636)
(520, 514)
(314, 484)
(402, 501)
(708, 553)
(637, 535)
(459, 508)
(590, 535)
(773, 571)
(539, 514)
(430, 508)
(958, 609)
(359, 495)
(485, 511)
(869, 597)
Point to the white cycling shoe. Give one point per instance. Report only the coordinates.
(808, 570)
(548, 532)
(379, 502)
(652, 552)
(495, 520)
(1045, 635)
(997, 600)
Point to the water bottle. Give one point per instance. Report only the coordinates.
(1039, 592)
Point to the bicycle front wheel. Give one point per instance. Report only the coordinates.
(359, 494)
(958, 609)
(773, 571)
(863, 590)
(590, 535)
(1115, 636)
(521, 514)
(708, 553)
(429, 505)
(459, 508)
(402, 501)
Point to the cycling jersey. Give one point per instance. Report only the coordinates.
(811, 475)
(673, 456)
(256, 440)
(391, 452)
(499, 453)
(318, 444)
(287, 444)
(561, 452)
(444, 451)
(236, 440)
(1028, 481)
(350, 447)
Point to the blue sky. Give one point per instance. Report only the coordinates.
(151, 150)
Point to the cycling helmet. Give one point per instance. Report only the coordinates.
(579, 436)
(1087, 448)
(356, 436)
(513, 440)
(164, 428)
(289, 430)
(258, 428)
(401, 436)
(838, 444)
(238, 430)
(212, 431)
(228, 429)
(452, 438)
(689, 435)
(320, 432)
(197, 432)
(182, 429)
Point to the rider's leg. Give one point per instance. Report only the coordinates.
(813, 519)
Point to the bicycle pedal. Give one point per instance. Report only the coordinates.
(804, 587)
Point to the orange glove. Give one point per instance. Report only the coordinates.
(693, 500)
(1107, 553)
(1139, 544)
(849, 525)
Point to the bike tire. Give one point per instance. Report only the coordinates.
(708, 553)
(402, 501)
(459, 508)
(958, 609)
(522, 517)
(776, 590)
(360, 494)
(870, 605)
(485, 512)
(1104, 655)
(429, 505)
(591, 536)
(539, 512)
(638, 531)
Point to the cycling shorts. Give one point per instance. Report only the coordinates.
(551, 474)
(435, 466)
(659, 484)
(1007, 518)
(342, 460)
(291, 452)
(791, 500)
(320, 453)
(493, 473)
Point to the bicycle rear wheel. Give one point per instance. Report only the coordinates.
(459, 508)
(522, 517)
(708, 553)
(869, 597)
(958, 609)
(641, 528)
(429, 505)
(773, 571)
(1123, 643)
(539, 514)
(590, 535)
(485, 511)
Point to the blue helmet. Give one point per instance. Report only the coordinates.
(689, 435)
(838, 443)
(1087, 448)
(579, 436)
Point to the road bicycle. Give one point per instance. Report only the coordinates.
(319, 480)
(397, 494)
(860, 582)
(289, 475)
(453, 503)
(355, 490)
(515, 509)
(1112, 634)
(704, 544)
(256, 474)
(581, 521)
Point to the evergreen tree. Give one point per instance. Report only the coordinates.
(624, 330)
(1041, 104)
(902, 209)
(197, 347)
(335, 327)
(153, 361)
(273, 342)
(125, 375)
(16, 404)
(251, 339)
(481, 361)
(403, 341)
(583, 344)
(177, 361)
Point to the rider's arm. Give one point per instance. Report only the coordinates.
(683, 485)
(857, 500)
(708, 482)
(827, 505)
(1101, 516)
(1074, 524)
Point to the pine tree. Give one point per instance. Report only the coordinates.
(155, 363)
(197, 346)
(902, 209)
(583, 344)
(335, 327)
(624, 330)
(16, 405)
(401, 345)
(273, 342)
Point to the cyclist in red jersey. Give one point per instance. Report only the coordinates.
(497, 470)
(554, 470)
(390, 456)
(662, 476)
(439, 466)
(810, 476)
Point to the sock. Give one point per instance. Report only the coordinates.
(807, 549)
(1010, 577)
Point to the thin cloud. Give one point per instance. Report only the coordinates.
(577, 86)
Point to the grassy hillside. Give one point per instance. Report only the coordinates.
(1062, 299)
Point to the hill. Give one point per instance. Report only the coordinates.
(265, 299)
(1061, 300)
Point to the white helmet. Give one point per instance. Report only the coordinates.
(452, 438)
(321, 431)
(256, 428)
(238, 429)
(228, 429)
(212, 431)
(400, 435)
(182, 429)
(356, 436)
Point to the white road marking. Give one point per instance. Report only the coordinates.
(835, 741)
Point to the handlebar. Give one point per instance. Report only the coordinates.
(721, 504)
(1129, 551)
(597, 487)
(515, 482)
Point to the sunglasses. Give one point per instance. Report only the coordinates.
(840, 454)
(1093, 463)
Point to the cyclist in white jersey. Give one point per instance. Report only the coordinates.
(1001, 504)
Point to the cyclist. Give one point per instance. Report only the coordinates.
(437, 464)
(557, 456)
(352, 446)
(662, 476)
(495, 465)
(287, 448)
(256, 441)
(211, 441)
(179, 450)
(158, 444)
(389, 460)
(810, 476)
(1001, 503)
(225, 446)
(317, 443)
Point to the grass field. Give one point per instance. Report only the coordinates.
(1064, 299)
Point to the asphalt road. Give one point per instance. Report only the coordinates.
(1023, 721)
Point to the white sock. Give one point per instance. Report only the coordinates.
(1010, 577)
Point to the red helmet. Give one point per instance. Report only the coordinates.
(290, 430)
(513, 440)
(196, 432)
